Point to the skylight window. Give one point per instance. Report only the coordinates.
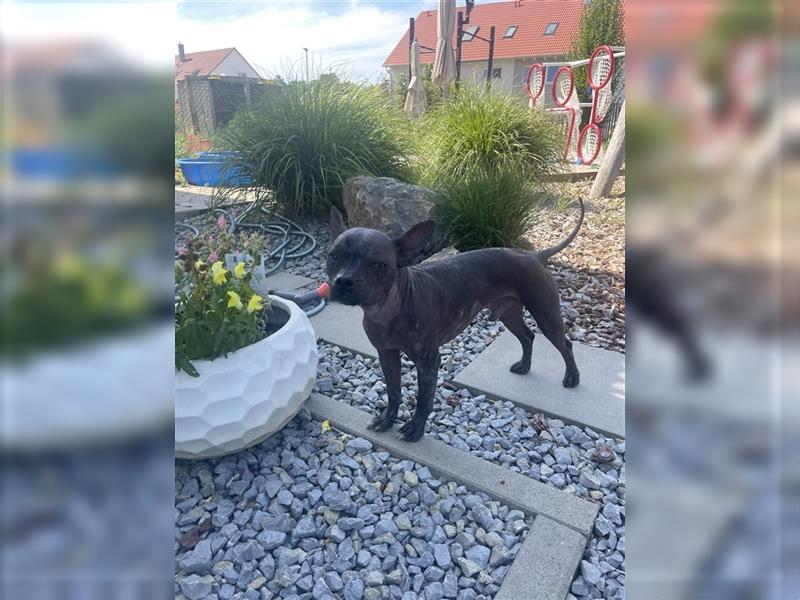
(551, 28)
(510, 31)
(469, 33)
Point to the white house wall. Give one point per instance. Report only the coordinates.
(513, 72)
(234, 65)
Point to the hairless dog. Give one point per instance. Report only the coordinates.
(415, 308)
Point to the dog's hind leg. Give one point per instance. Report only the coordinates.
(555, 333)
(513, 319)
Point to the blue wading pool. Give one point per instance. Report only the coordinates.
(209, 169)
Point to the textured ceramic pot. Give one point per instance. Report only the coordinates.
(243, 398)
(89, 393)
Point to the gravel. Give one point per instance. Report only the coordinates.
(590, 272)
(355, 528)
(576, 460)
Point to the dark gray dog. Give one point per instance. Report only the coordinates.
(416, 308)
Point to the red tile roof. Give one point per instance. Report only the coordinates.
(530, 16)
(200, 63)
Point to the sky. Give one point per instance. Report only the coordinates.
(352, 36)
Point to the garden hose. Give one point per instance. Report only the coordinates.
(296, 243)
(322, 293)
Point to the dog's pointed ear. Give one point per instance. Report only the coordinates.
(337, 226)
(413, 242)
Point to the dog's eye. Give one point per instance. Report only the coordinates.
(332, 257)
(378, 266)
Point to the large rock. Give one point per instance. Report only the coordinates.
(386, 204)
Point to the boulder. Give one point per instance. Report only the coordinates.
(386, 204)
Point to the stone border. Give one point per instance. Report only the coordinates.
(513, 489)
(545, 563)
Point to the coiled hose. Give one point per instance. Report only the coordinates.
(296, 243)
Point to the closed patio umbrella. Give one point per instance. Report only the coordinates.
(415, 99)
(444, 66)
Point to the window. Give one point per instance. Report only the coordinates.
(550, 29)
(469, 34)
(497, 73)
(510, 31)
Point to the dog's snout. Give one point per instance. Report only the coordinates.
(343, 281)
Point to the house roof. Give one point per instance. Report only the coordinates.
(530, 16)
(672, 25)
(200, 63)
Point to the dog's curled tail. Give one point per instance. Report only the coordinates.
(544, 255)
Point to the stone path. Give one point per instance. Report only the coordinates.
(598, 402)
(192, 200)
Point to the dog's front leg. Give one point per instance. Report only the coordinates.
(427, 374)
(390, 363)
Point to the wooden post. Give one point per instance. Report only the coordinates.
(491, 59)
(612, 161)
(459, 34)
(411, 34)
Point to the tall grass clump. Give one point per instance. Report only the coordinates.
(482, 129)
(486, 154)
(486, 208)
(302, 142)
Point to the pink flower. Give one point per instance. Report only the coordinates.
(221, 223)
(181, 250)
(213, 257)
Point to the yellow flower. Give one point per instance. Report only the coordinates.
(255, 303)
(234, 301)
(198, 264)
(238, 270)
(218, 272)
(326, 425)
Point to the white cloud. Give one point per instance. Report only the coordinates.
(358, 39)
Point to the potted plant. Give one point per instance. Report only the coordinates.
(245, 363)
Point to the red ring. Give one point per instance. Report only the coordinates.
(568, 69)
(597, 51)
(581, 136)
(528, 81)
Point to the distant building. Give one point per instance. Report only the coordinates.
(526, 31)
(210, 86)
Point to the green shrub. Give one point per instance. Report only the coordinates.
(486, 155)
(480, 129)
(486, 208)
(301, 143)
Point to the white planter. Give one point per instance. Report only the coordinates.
(104, 390)
(241, 399)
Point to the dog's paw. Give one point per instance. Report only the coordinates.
(382, 422)
(412, 431)
(520, 368)
(571, 379)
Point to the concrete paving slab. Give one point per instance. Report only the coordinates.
(513, 489)
(341, 325)
(598, 401)
(282, 281)
(545, 564)
(690, 521)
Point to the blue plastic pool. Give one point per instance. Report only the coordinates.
(208, 169)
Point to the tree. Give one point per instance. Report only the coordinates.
(603, 22)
